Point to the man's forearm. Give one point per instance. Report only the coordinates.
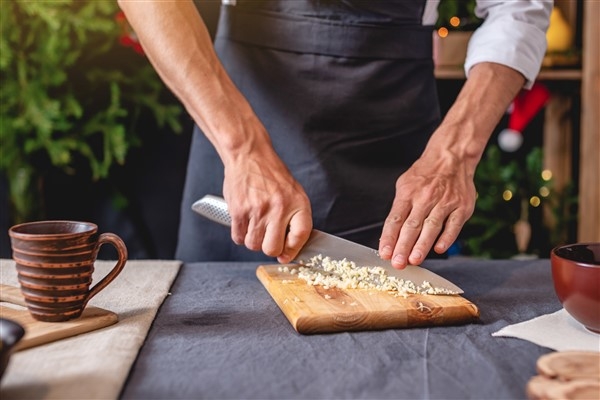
(469, 123)
(179, 46)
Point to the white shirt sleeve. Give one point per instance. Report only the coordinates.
(513, 34)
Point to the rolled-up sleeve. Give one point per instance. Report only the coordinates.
(513, 34)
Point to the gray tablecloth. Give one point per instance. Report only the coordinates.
(221, 336)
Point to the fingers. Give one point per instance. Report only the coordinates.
(452, 229)
(422, 236)
(299, 232)
(414, 227)
(255, 237)
(270, 230)
(248, 225)
(239, 226)
(260, 231)
(414, 235)
(391, 230)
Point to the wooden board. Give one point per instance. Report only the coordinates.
(566, 375)
(314, 309)
(38, 332)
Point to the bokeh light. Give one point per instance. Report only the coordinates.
(535, 201)
(455, 21)
(546, 174)
(443, 32)
(507, 195)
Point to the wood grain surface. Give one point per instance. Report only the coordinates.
(566, 375)
(314, 309)
(38, 332)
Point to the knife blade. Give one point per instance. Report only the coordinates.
(336, 248)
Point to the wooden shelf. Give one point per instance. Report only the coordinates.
(555, 74)
(558, 124)
(546, 74)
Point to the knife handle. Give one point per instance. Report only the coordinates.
(213, 208)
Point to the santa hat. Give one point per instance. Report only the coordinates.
(524, 107)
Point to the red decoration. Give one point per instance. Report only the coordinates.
(128, 37)
(524, 108)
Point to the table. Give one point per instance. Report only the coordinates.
(93, 365)
(220, 335)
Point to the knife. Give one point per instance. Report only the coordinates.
(336, 248)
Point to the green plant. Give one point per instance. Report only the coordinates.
(508, 192)
(71, 95)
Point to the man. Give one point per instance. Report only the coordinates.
(324, 113)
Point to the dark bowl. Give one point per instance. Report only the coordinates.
(576, 276)
(10, 334)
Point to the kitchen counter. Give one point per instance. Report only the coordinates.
(220, 335)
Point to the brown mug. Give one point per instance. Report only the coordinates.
(55, 262)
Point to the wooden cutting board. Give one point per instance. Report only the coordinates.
(39, 332)
(314, 309)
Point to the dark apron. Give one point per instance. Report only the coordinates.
(347, 92)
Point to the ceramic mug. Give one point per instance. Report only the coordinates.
(55, 262)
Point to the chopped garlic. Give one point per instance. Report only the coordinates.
(344, 274)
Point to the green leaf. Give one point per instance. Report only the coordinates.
(70, 93)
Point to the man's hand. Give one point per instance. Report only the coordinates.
(434, 199)
(436, 196)
(269, 209)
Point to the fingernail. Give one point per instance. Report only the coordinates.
(399, 261)
(386, 251)
(416, 256)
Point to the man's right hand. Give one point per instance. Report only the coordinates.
(269, 209)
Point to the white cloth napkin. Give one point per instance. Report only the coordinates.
(558, 331)
(93, 365)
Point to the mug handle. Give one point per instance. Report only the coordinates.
(121, 250)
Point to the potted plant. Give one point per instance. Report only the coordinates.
(74, 88)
